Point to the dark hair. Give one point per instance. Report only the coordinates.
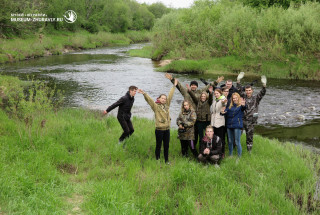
(194, 83)
(218, 91)
(224, 88)
(132, 88)
(248, 86)
(162, 95)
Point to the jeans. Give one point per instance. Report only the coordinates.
(234, 134)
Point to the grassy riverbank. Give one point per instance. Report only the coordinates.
(72, 164)
(60, 42)
(68, 161)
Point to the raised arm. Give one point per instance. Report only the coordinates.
(172, 92)
(194, 97)
(148, 99)
(264, 88)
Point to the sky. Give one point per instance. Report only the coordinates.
(170, 3)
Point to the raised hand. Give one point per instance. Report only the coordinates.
(141, 91)
(242, 101)
(175, 82)
(188, 87)
(240, 76)
(219, 79)
(210, 89)
(264, 80)
(168, 76)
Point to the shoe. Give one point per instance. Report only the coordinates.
(119, 143)
(217, 166)
(237, 161)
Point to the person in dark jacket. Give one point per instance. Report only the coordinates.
(250, 116)
(125, 104)
(232, 89)
(234, 123)
(210, 147)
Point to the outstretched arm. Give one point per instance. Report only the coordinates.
(148, 99)
(114, 105)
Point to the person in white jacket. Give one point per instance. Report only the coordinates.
(218, 120)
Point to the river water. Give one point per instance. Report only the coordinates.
(94, 79)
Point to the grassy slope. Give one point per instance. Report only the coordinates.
(74, 165)
(293, 69)
(57, 43)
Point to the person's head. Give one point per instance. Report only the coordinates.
(193, 85)
(204, 96)
(186, 105)
(209, 131)
(229, 83)
(162, 98)
(225, 91)
(235, 99)
(249, 91)
(133, 90)
(217, 93)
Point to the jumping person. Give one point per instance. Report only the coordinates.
(186, 121)
(162, 120)
(125, 104)
(250, 116)
(234, 123)
(210, 146)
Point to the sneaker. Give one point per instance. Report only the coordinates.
(217, 166)
(119, 143)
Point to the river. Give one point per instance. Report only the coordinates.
(94, 79)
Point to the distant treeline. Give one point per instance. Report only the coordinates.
(269, 29)
(92, 15)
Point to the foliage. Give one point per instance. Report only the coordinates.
(158, 9)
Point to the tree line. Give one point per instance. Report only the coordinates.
(92, 15)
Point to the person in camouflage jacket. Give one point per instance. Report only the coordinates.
(186, 121)
(203, 102)
(250, 116)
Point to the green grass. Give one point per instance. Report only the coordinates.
(73, 165)
(58, 42)
(291, 69)
(145, 52)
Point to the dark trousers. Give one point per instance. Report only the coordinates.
(220, 132)
(185, 144)
(199, 130)
(249, 128)
(127, 128)
(207, 158)
(162, 136)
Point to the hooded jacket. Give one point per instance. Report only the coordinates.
(161, 111)
(187, 119)
(125, 104)
(203, 108)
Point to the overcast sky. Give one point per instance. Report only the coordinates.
(170, 3)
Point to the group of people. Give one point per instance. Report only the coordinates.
(207, 115)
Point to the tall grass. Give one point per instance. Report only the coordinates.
(73, 164)
(218, 29)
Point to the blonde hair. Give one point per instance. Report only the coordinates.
(204, 92)
(231, 102)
